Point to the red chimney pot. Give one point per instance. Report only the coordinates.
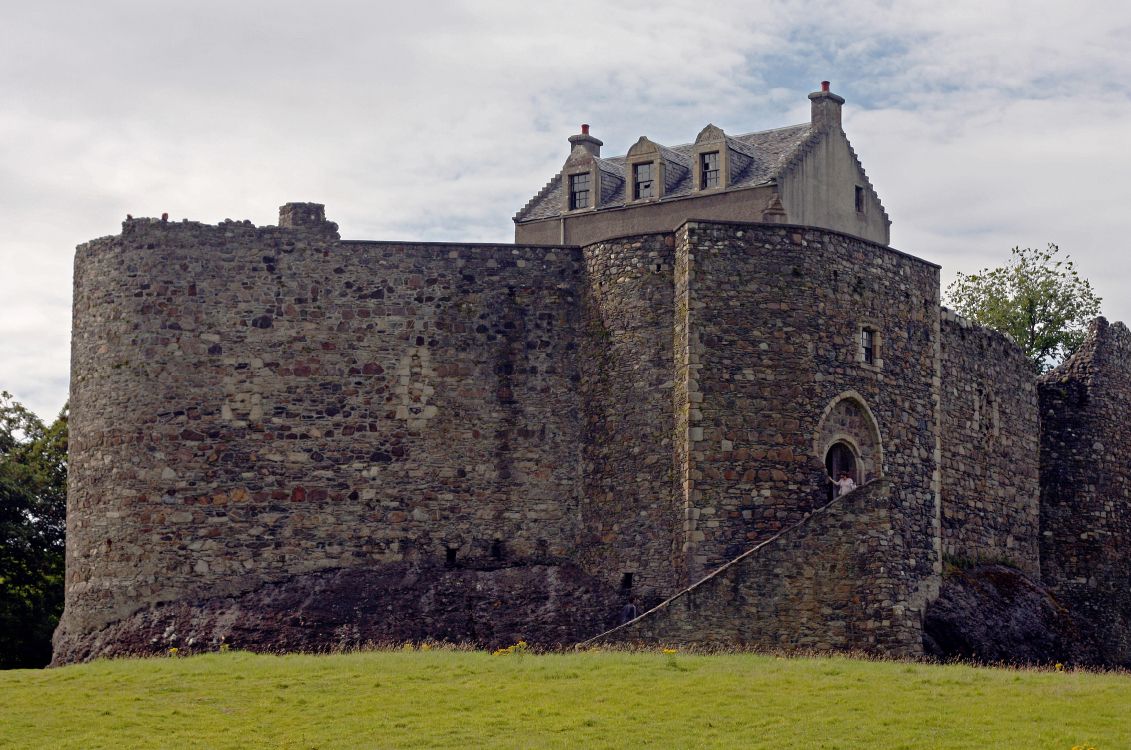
(824, 85)
(585, 129)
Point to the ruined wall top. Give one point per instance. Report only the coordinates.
(294, 215)
(1105, 344)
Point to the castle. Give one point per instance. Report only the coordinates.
(282, 439)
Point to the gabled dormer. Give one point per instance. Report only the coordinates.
(719, 161)
(652, 171)
(580, 181)
(643, 167)
(580, 177)
(589, 182)
(711, 167)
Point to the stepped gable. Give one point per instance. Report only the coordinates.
(806, 174)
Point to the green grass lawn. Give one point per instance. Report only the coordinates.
(462, 699)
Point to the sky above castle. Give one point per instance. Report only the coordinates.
(982, 125)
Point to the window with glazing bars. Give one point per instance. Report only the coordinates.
(642, 181)
(868, 345)
(578, 191)
(709, 170)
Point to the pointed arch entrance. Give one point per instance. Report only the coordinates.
(848, 439)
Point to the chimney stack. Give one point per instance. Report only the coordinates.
(586, 141)
(826, 108)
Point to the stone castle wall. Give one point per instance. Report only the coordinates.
(836, 581)
(1086, 486)
(261, 412)
(990, 448)
(250, 404)
(775, 376)
(631, 519)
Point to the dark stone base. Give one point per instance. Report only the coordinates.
(547, 605)
(995, 614)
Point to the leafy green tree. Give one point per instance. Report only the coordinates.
(33, 502)
(1037, 298)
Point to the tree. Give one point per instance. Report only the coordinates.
(33, 502)
(1037, 298)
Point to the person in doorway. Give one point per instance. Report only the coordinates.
(628, 612)
(844, 484)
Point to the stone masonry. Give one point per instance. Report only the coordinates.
(252, 404)
(990, 438)
(255, 405)
(284, 440)
(776, 314)
(631, 516)
(834, 581)
(1086, 485)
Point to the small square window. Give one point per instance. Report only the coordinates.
(642, 181)
(578, 191)
(709, 170)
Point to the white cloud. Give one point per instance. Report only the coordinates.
(982, 125)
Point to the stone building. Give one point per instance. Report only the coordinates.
(803, 174)
(284, 439)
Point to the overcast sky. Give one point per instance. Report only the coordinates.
(983, 125)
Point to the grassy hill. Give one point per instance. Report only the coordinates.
(459, 699)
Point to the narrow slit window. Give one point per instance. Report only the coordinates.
(987, 415)
(578, 191)
(643, 186)
(859, 199)
(626, 581)
(709, 170)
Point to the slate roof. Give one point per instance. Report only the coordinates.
(767, 153)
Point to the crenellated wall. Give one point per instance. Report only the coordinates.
(990, 448)
(1086, 486)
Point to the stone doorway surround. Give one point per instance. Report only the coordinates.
(848, 428)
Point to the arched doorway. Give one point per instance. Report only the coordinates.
(840, 457)
(848, 439)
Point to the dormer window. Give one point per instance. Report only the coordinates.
(709, 170)
(712, 159)
(649, 167)
(642, 180)
(578, 191)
